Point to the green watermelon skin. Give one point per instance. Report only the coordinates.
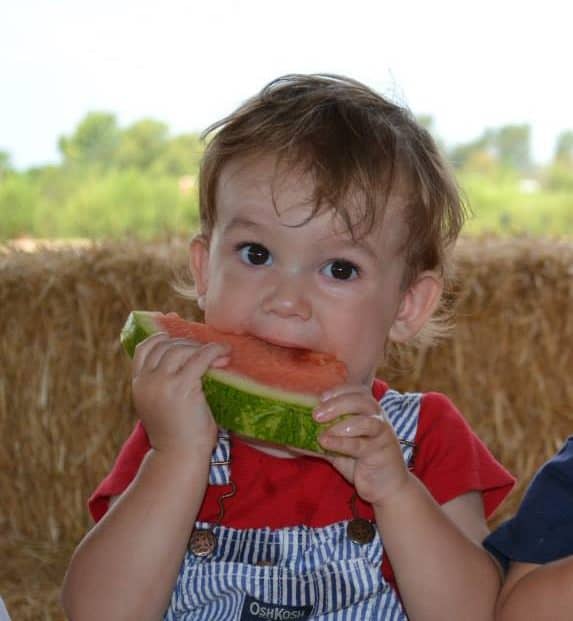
(242, 407)
(262, 418)
(137, 328)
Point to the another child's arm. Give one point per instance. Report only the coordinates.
(536, 544)
(440, 566)
(127, 565)
(534, 591)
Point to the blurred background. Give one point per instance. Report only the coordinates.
(101, 109)
(102, 104)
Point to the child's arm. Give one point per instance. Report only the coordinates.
(537, 543)
(127, 565)
(537, 592)
(441, 568)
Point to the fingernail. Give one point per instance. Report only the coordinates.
(319, 414)
(221, 362)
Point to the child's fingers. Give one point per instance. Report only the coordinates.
(355, 446)
(356, 401)
(357, 435)
(159, 350)
(163, 352)
(354, 426)
(343, 389)
(144, 349)
(171, 356)
(212, 354)
(351, 447)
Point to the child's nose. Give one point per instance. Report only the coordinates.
(288, 297)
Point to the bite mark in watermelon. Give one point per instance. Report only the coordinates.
(266, 391)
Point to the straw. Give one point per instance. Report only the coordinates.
(65, 388)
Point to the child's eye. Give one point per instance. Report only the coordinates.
(254, 254)
(341, 270)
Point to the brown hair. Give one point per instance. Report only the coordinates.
(349, 139)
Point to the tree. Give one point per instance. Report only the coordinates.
(512, 146)
(564, 147)
(181, 156)
(559, 174)
(94, 142)
(141, 144)
(5, 164)
(507, 146)
(465, 154)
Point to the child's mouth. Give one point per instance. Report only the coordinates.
(282, 342)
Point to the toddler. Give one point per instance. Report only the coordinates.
(327, 222)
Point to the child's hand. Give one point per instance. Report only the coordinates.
(371, 458)
(168, 395)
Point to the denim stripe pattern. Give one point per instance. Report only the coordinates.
(317, 568)
(219, 473)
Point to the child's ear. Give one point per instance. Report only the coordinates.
(199, 262)
(416, 307)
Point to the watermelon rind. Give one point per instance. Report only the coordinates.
(241, 405)
(139, 325)
(252, 387)
(261, 417)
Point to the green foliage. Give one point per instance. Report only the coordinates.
(19, 200)
(98, 144)
(5, 164)
(136, 181)
(512, 145)
(110, 204)
(140, 181)
(559, 176)
(507, 147)
(564, 146)
(141, 145)
(94, 142)
(463, 155)
(128, 203)
(511, 207)
(181, 156)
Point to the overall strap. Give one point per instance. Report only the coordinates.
(403, 410)
(220, 471)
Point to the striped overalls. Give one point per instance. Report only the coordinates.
(293, 573)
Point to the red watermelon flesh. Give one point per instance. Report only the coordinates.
(266, 391)
(293, 370)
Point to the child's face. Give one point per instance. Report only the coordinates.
(308, 286)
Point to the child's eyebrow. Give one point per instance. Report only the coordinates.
(240, 222)
(360, 244)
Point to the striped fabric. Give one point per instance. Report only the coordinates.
(293, 573)
(402, 411)
(219, 474)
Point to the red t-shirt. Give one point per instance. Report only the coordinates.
(450, 460)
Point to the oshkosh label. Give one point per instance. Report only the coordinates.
(255, 610)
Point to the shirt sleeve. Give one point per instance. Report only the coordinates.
(123, 472)
(541, 531)
(451, 460)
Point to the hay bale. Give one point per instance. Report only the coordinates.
(64, 382)
(64, 397)
(508, 365)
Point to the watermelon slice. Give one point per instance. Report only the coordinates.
(266, 391)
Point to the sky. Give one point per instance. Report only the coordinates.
(470, 65)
